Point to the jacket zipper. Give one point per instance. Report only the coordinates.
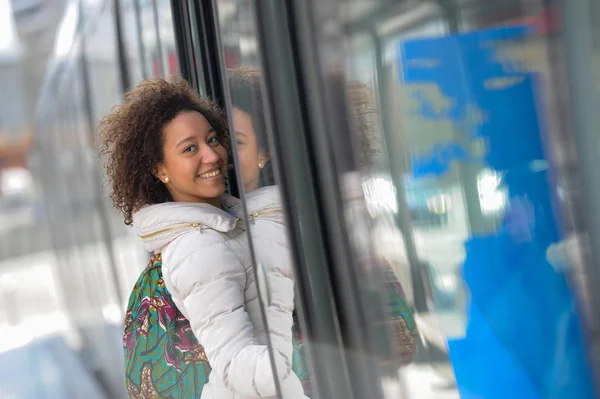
(199, 226)
(264, 212)
(179, 226)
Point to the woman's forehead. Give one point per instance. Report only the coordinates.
(187, 124)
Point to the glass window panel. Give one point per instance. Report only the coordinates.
(101, 57)
(153, 58)
(132, 38)
(268, 232)
(371, 200)
(470, 107)
(168, 50)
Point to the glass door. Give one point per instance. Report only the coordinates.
(470, 109)
(420, 155)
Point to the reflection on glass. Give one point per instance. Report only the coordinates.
(101, 58)
(164, 56)
(467, 118)
(149, 37)
(369, 201)
(157, 37)
(492, 197)
(131, 24)
(268, 233)
(250, 129)
(267, 230)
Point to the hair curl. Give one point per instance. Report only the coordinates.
(132, 139)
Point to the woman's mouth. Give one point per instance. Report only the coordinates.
(210, 175)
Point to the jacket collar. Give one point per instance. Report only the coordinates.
(159, 224)
(264, 198)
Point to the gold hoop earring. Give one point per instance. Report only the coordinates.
(260, 165)
(166, 179)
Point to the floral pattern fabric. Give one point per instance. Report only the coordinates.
(404, 332)
(299, 361)
(163, 359)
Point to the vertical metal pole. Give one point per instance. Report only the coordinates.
(397, 161)
(296, 176)
(308, 59)
(450, 11)
(467, 172)
(140, 39)
(121, 50)
(205, 12)
(180, 10)
(159, 47)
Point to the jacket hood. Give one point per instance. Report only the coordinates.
(265, 198)
(157, 225)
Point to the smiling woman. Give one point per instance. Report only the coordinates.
(194, 158)
(167, 155)
(142, 138)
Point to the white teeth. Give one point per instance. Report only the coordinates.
(210, 174)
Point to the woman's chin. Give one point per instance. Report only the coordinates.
(209, 189)
(217, 189)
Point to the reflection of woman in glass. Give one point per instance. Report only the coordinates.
(397, 333)
(168, 150)
(267, 228)
(250, 130)
(269, 233)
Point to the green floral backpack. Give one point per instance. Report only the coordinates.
(163, 359)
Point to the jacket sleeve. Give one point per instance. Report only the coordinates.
(274, 261)
(207, 280)
(272, 252)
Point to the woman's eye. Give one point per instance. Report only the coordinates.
(213, 140)
(190, 148)
(239, 142)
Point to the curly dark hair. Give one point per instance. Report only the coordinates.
(132, 138)
(245, 85)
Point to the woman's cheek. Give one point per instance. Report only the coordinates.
(243, 159)
(223, 154)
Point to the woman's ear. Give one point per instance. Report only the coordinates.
(263, 157)
(160, 173)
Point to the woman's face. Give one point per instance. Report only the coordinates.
(194, 162)
(252, 158)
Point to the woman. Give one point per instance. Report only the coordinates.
(267, 230)
(168, 152)
(269, 234)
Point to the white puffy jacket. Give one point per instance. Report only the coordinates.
(207, 269)
(269, 240)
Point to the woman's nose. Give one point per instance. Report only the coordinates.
(209, 155)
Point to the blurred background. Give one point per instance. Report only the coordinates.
(442, 172)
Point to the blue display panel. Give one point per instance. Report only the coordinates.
(479, 110)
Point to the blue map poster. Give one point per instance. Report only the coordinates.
(485, 97)
(473, 104)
